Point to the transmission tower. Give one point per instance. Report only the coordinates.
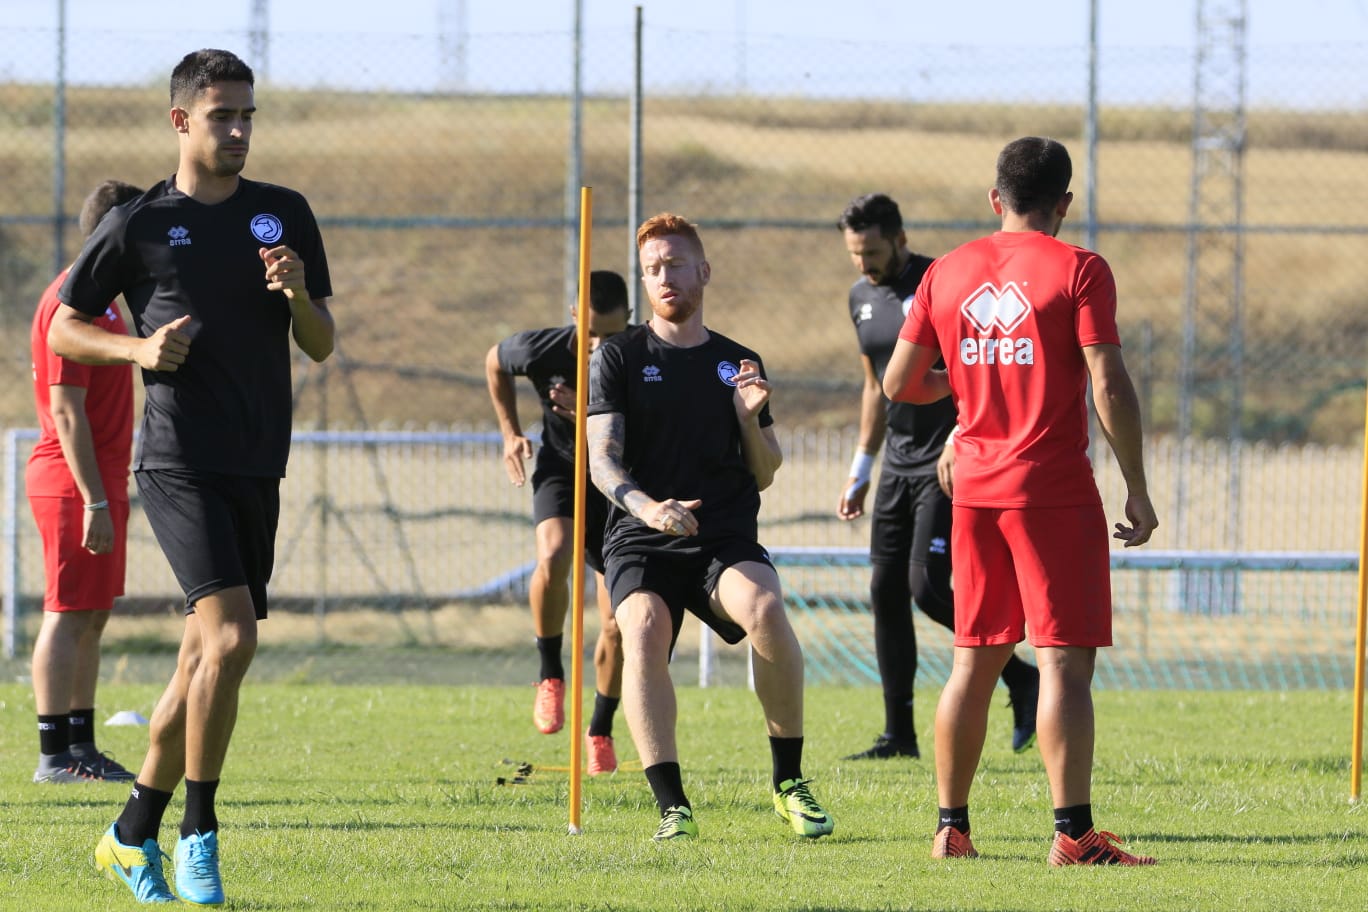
(451, 37)
(259, 37)
(1211, 373)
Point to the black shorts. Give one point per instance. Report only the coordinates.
(553, 497)
(911, 521)
(684, 580)
(217, 531)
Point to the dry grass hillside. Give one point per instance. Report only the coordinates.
(442, 216)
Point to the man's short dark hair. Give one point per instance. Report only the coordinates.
(607, 292)
(200, 69)
(873, 210)
(1033, 174)
(106, 196)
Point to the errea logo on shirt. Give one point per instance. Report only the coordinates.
(179, 236)
(651, 374)
(989, 309)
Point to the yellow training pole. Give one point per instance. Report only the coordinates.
(1360, 640)
(577, 548)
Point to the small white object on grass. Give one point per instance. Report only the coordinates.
(127, 717)
(575, 831)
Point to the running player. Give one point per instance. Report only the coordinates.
(1024, 321)
(681, 442)
(213, 267)
(909, 537)
(548, 357)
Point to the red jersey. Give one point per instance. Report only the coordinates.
(108, 408)
(1010, 313)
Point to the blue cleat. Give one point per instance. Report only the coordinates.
(139, 868)
(197, 869)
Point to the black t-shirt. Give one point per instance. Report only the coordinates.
(682, 437)
(228, 407)
(916, 433)
(546, 357)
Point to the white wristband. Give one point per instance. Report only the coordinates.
(99, 505)
(860, 467)
(950, 438)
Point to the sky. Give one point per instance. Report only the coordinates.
(786, 42)
(1040, 22)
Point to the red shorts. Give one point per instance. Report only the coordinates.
(76, 579)
(1043, 570)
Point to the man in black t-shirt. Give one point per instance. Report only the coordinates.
(681, 442)
(213, 267)
(909, 549)
(549, 358)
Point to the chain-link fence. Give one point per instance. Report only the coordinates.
(442, 191)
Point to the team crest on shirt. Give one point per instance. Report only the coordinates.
(865, 313)
(726, 372)
(267, 228)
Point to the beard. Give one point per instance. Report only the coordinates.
(680, 310)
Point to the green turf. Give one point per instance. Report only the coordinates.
(377, 798)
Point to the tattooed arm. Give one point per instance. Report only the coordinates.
(606, 433)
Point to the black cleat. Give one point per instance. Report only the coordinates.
(1024, 715)
(886, 747)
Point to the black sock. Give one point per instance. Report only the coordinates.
(1017, 674)
(1073, 821)
(82, 726)
(601, 722)
(549, 648)
(667, 784)
(142, 815)
(199, 808)
(953, 817)
(54, 734)
(787, 756)
(898, 725)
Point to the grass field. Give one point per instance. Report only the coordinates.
(361, 798)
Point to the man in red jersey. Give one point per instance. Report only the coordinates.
(77, 486)
(1024, 322)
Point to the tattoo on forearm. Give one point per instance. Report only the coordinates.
(606, 433)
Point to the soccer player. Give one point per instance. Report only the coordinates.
(681, 442)
(219, 272)
(77, 485)
(1024, 321)
(909, 540)
(548, 358)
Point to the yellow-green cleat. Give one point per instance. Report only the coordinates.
(139, 868)
(676, 823)
(795, 804)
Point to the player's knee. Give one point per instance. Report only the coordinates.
(931, 591)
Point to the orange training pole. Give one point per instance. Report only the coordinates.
(577, 547)
(1360, 640)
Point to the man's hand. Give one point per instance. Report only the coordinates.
(516, 451)
(97, 536)
(945, 469)
(284, 271)
(1143, 522)
(852, 501)
(673, 517)
(166, 349)
(562, 396)
(752, 391)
